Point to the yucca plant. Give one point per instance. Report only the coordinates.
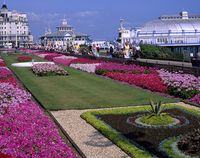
(156, 108)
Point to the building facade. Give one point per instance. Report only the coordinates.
(63, 37)
(14, 29)
(178, 32)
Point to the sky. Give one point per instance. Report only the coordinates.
(97, 18)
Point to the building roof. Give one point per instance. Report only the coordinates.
(4, 6)
(173, 24)
(64, 33)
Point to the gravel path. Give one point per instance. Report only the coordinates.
(88, 139)
(92, 143)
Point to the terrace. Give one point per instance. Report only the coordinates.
(118, 95)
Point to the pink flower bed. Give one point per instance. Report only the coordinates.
(195, 99)
(26, 132)
(10, 80)
(2, 64)
(90, 68)
(51, 56)
(11, 96)
(181, 85)
(61, 61)
(122, 67)
(5, 72)
(148, 81)
(48, 70)
(85, 61)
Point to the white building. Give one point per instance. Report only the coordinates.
(64, 36)
(14, 30)
(179, 32)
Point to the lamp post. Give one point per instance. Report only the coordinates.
(16, 45)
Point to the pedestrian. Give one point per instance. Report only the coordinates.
(126, 51)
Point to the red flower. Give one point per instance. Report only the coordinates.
(24, 58)
(5, 156)
(147, 81)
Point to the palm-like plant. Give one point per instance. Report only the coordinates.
(156, 108)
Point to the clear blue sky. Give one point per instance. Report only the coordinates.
(98, 18)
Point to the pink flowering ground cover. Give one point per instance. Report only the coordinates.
(61, 61)
(11, 96)
(148, 81)
(51, 56)
(85, 61)
(48, 70)
(25, 131)
(195, 99)
(2, 64)
(90, 68)
(117, 67)
(5, 72)
(181, 85)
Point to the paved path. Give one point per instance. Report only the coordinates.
(88, 139)
(166, 62)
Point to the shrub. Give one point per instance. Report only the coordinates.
(24, 58)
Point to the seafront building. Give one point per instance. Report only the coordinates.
(14, 29)
(64, 36)
(180, 32)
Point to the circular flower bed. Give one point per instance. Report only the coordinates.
(162, 121)
(24, 58)
(48, 70)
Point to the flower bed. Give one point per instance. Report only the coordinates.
(147, 81)
(10, 80)
(181, 85)
(104, 67)
(62, 61)
(48, 70)
(24, 58)
(5, 73)
(85, 67)
(25, 131)
(195, 99)
(51, 56)
(2, 64)
(85, 61)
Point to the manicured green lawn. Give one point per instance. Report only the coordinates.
(80, 90)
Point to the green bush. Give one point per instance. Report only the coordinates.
(100, 72)
(158, 52)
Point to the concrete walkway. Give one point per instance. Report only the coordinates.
(92, 143)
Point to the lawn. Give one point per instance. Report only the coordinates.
(80, 90)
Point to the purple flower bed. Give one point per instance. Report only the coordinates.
(181, 85)
(26, 132)
(5, 72)
(48, 70)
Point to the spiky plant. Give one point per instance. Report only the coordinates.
(157, 109)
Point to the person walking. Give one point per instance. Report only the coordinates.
(126, 51)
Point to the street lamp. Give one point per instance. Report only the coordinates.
(16, 45)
